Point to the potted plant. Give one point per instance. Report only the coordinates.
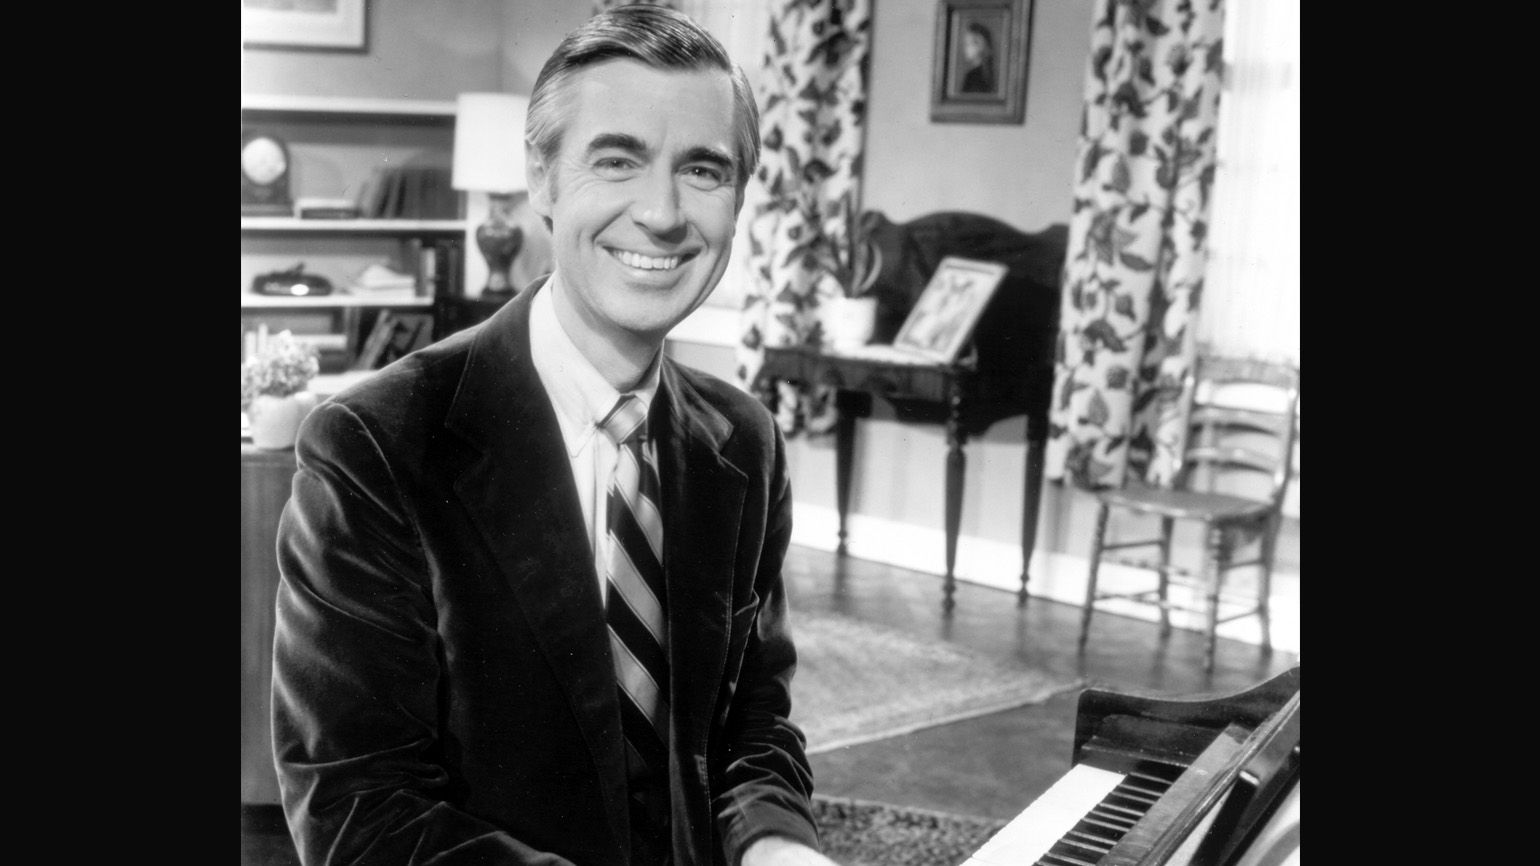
(854, 263)
(274, 389)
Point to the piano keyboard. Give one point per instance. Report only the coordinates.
(1077, 820)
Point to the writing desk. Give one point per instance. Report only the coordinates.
(956, 395)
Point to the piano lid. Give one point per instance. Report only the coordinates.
(1160, 780)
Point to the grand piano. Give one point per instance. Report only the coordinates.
(1155, 780)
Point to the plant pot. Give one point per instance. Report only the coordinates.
(852, 321)
(275, 420)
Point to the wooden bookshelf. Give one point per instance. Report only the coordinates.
(326, 302)
(295, 225)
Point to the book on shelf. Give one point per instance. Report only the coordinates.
(254, 340)
(409, 332)
(326, 208)
(449, 274)
(422, 192)
(323, 342)
(394, 334)
(423, 258)
(369, 356)
(370, 195)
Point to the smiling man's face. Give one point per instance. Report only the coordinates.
(642, 198)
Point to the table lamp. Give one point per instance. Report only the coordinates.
(489, 158)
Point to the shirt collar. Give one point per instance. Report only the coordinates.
(580, 395)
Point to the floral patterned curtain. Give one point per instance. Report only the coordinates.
(812, 102)
(1134, 274)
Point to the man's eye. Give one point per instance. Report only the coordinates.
(705, 176)
(612, 165)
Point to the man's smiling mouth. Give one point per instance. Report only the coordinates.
(648, 263)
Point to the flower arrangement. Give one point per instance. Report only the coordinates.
(283, 366)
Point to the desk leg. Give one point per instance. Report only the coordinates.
(955, 462)
(849, 405)
(844, 451)
(1034, 497)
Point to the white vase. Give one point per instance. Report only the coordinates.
(851, 321)
(275, 420)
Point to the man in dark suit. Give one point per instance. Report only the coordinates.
(451, 680)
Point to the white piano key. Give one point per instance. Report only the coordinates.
(1030, 834)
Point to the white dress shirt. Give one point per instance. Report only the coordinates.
(582, 398)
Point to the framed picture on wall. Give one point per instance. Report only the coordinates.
(328, 25)
(979, 71)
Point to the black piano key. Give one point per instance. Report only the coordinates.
(1120, 803)
(1085, 840)
(1111, 827)
(1100, 829)
(1093, 830)
(1054, 859)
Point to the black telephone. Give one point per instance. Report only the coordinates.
(293, 282)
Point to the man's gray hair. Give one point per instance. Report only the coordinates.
(653, 35)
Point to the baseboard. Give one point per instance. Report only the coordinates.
(1056, 576)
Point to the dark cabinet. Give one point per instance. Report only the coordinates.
(265, 482)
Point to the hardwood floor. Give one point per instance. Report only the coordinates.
(995, 765)
(992, 766)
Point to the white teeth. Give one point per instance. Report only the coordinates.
(646, 263)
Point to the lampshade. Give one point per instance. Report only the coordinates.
(489, 142)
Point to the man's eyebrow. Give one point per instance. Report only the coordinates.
(632, 144)
(618, 141)
(711, 155)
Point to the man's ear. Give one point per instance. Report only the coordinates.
(538, 175)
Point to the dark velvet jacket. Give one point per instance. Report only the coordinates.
(442, 684)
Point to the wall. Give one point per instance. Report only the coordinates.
(415, 51)
(1018, 173)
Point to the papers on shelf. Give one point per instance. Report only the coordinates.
(380, 282)
(380, 278)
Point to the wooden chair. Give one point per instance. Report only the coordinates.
(1232, 475)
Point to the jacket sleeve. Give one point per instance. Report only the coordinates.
(767, 785)
(356, 672)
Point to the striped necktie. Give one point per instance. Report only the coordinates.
(634, 612)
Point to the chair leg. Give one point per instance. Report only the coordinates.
(1265, 584)
(1216, 560)
(1165, 575)
(1097, 540)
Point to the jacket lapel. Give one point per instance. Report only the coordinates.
(522, 497)
(702, 506)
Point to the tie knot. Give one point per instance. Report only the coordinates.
(626, 421)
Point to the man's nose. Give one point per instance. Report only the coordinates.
(656, 207)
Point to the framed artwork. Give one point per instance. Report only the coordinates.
(943, 318)
(335, 25)
(979, 72)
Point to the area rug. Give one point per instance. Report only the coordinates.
(863, 833)
(857, 682)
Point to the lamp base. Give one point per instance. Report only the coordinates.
(499, 242)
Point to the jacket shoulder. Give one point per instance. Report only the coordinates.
(740, 408)
(402, 395)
